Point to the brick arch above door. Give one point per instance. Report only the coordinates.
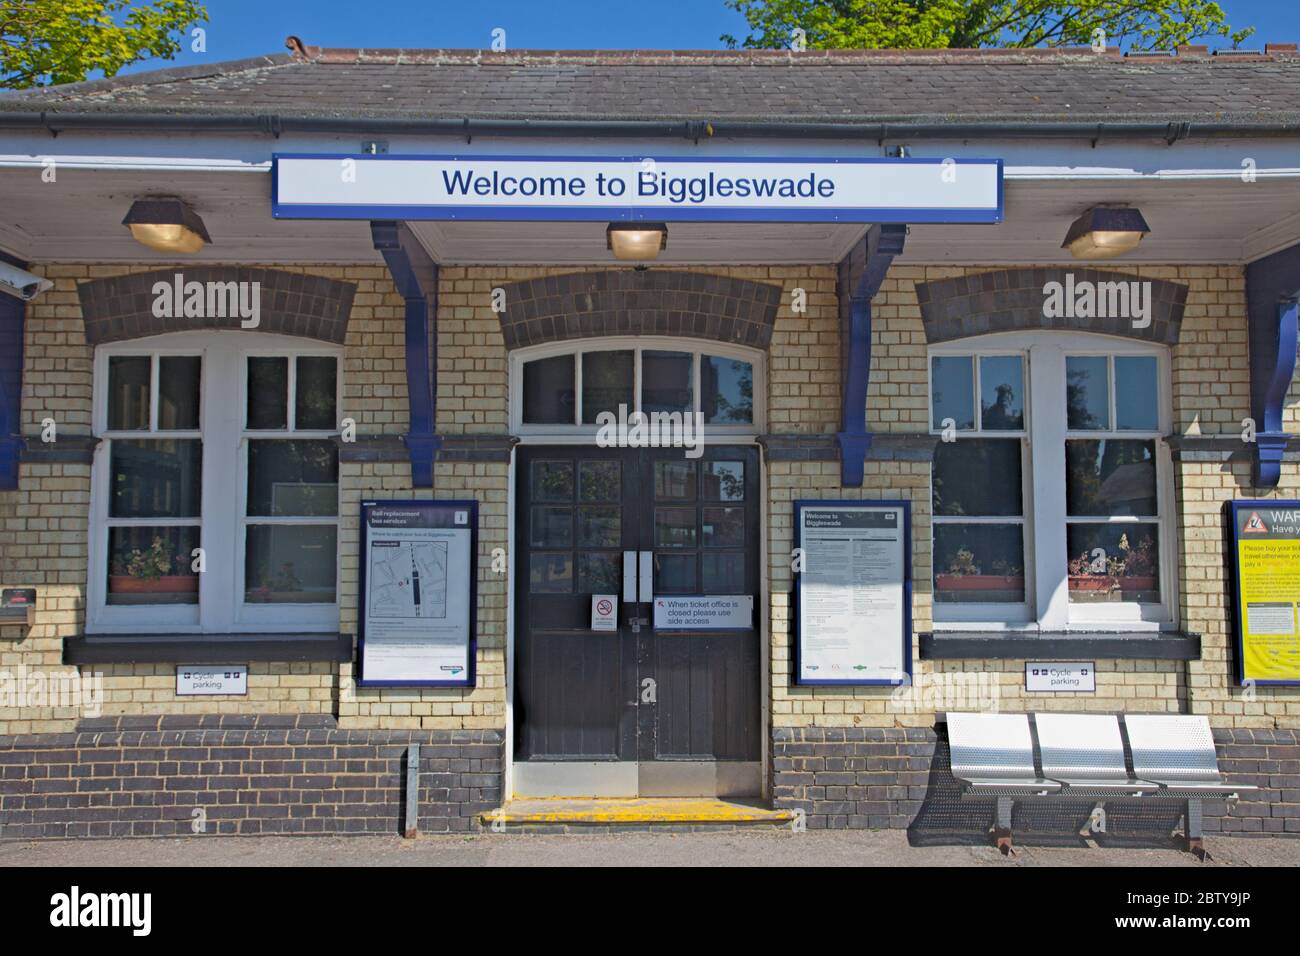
(1010, 300)
(119, 308)
(627, 302)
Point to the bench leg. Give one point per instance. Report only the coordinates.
(1194, 834)
(1002, 828)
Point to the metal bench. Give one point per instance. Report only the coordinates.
(993, 755)
(1083, 755)
(1085, 752)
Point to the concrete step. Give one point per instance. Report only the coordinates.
(559, 814)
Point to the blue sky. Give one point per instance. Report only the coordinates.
(241, 28)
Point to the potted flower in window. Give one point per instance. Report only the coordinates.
(1133, 569)
(149, 571)
(964, 574)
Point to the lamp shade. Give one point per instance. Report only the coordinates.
(641, 240)
(1105, 232)
(167, 225)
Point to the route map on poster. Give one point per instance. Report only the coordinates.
(417, 623)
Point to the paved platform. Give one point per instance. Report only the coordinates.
(749, 847)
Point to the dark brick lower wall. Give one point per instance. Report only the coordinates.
(873, 777)
(147, 776)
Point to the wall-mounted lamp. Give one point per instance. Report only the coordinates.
(1105, 232)
(168, 225)
(640, 240)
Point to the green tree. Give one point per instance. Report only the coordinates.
(62, 41)
(866, 24)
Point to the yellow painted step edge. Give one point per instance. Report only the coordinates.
(639, 814)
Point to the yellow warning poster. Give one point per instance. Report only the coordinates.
(1268, 590)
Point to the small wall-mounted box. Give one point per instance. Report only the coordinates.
(18, 606)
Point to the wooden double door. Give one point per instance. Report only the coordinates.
(662, 704)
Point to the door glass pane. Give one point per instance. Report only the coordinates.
(724, 481)
(675, 480)
(316, 393)
(551, 528)
(156, 478)
(724, 572)
(128, 392)
(723, 527)
(607, 383)
(977, 477)
(979, 563)
(1137, 393)
(1113, 562)
(299, 477)
(552, 481)
(726, 391)
(600, 481)
(550, 572)
(675, 573)
(674, 527)
(1002, 393)
(599, 528)
(178, 392)
(268, 392)
(290, 564)
(952, 390)
(548, 391)
(667, 381)
(1110, 477)
(152, 565)
(599, 572)
(1087, 392)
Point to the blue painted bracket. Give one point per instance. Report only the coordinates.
(416, 276)
(12, 312)
(1273, 300)
(860, 275)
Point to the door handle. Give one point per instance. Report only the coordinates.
(647, 577)
(629, 577)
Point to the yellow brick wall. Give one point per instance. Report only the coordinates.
(43, 537)
(1211, 392)
(43, 526)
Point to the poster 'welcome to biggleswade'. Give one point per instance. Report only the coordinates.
(1267, 584)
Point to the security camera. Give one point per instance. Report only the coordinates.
(22, 284)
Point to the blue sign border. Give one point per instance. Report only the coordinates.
(470, 678)
(630, 213)
(1234, 581)
(796, 631)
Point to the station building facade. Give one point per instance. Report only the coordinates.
(465, 359)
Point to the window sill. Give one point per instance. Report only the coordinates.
(205, 648)
(1061, 645)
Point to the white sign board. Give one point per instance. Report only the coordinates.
(854, 619)
(417, 617)
(661, 188)
(714, 612)
(202, 680)
(604, 612)
(1057, 677)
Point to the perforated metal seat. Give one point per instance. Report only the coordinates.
(993, 754)
(1085, 752)
(1177, 752)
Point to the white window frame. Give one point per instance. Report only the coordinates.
(1043, 469)
(222, 523)
(637, 344)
